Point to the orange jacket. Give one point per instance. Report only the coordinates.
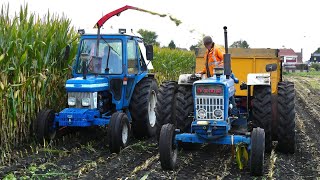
(214, 58)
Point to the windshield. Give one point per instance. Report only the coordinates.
(108, 61)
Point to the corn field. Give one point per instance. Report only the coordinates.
(33, 70)
(170, 63)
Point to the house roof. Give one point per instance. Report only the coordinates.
(287, 52)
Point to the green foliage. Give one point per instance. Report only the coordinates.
(312, 69)
(33, 69)
(240, 44)
(170, 63)
(316, 66)
(172, 45)
(10, 177)
(149, 37)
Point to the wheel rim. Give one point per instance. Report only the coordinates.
(151, 108)
(125, 134)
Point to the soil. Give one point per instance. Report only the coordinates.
(84, 154)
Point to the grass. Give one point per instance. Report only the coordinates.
(303, 74)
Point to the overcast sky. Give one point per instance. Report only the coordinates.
(263, 24)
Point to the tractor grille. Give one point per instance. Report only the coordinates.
(80, 95)
(209, 104)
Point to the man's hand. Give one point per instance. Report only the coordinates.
(200, 72)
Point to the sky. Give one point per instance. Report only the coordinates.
(263, 24)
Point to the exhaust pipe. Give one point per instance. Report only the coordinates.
(227, 56)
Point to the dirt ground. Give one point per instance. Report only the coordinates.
(85, 155)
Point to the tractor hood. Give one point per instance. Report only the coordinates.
(91, 84)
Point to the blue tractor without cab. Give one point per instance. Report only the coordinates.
(198, 111)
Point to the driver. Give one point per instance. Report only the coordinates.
(213, 57)
(114, 62)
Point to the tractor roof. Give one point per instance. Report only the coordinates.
(110, 32)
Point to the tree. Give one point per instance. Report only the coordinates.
(317, 51)
(149, 37)
(172, 45)
(193, 47)
(240, 44)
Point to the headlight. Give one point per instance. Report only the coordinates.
(85, 102)
(218, 113)
(202, 113)
(71, 101)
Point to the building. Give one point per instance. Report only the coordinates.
(289, 57)
(315, 58)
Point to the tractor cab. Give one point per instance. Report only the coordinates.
(113, 62)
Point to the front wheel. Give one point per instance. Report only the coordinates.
(118, 132)
(257, 151)
(167, 148)
(44, 125)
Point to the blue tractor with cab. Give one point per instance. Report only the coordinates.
(196, 110)
(110, 86)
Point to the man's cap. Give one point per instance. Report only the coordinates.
(207, 40)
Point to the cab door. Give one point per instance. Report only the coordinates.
(133, 69)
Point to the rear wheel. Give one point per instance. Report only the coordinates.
(118, 132)
(142, 108)
(44, 125)
(262, 112)
(286, 121)
(167, 148)
(166, 104)
(257, 152)
(184, 108)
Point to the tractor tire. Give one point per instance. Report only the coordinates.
(43, 125)
(286, 121)
(184, 108)
(275, 117)
(142, 108)
(165, 105)
(262, 113)
(257, 152)
(118, 132)
(167, 149)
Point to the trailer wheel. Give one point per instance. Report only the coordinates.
(118, 132)
(167, 148)
(44, 125)
(257, 152)
(262, 112)
(142, 108)
(286, 121)
(184, 107)
(165, 105)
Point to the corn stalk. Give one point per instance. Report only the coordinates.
(33, 70)
(170, 63)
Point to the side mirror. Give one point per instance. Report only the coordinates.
(67, 52)
(271, 67)
(149, 52)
